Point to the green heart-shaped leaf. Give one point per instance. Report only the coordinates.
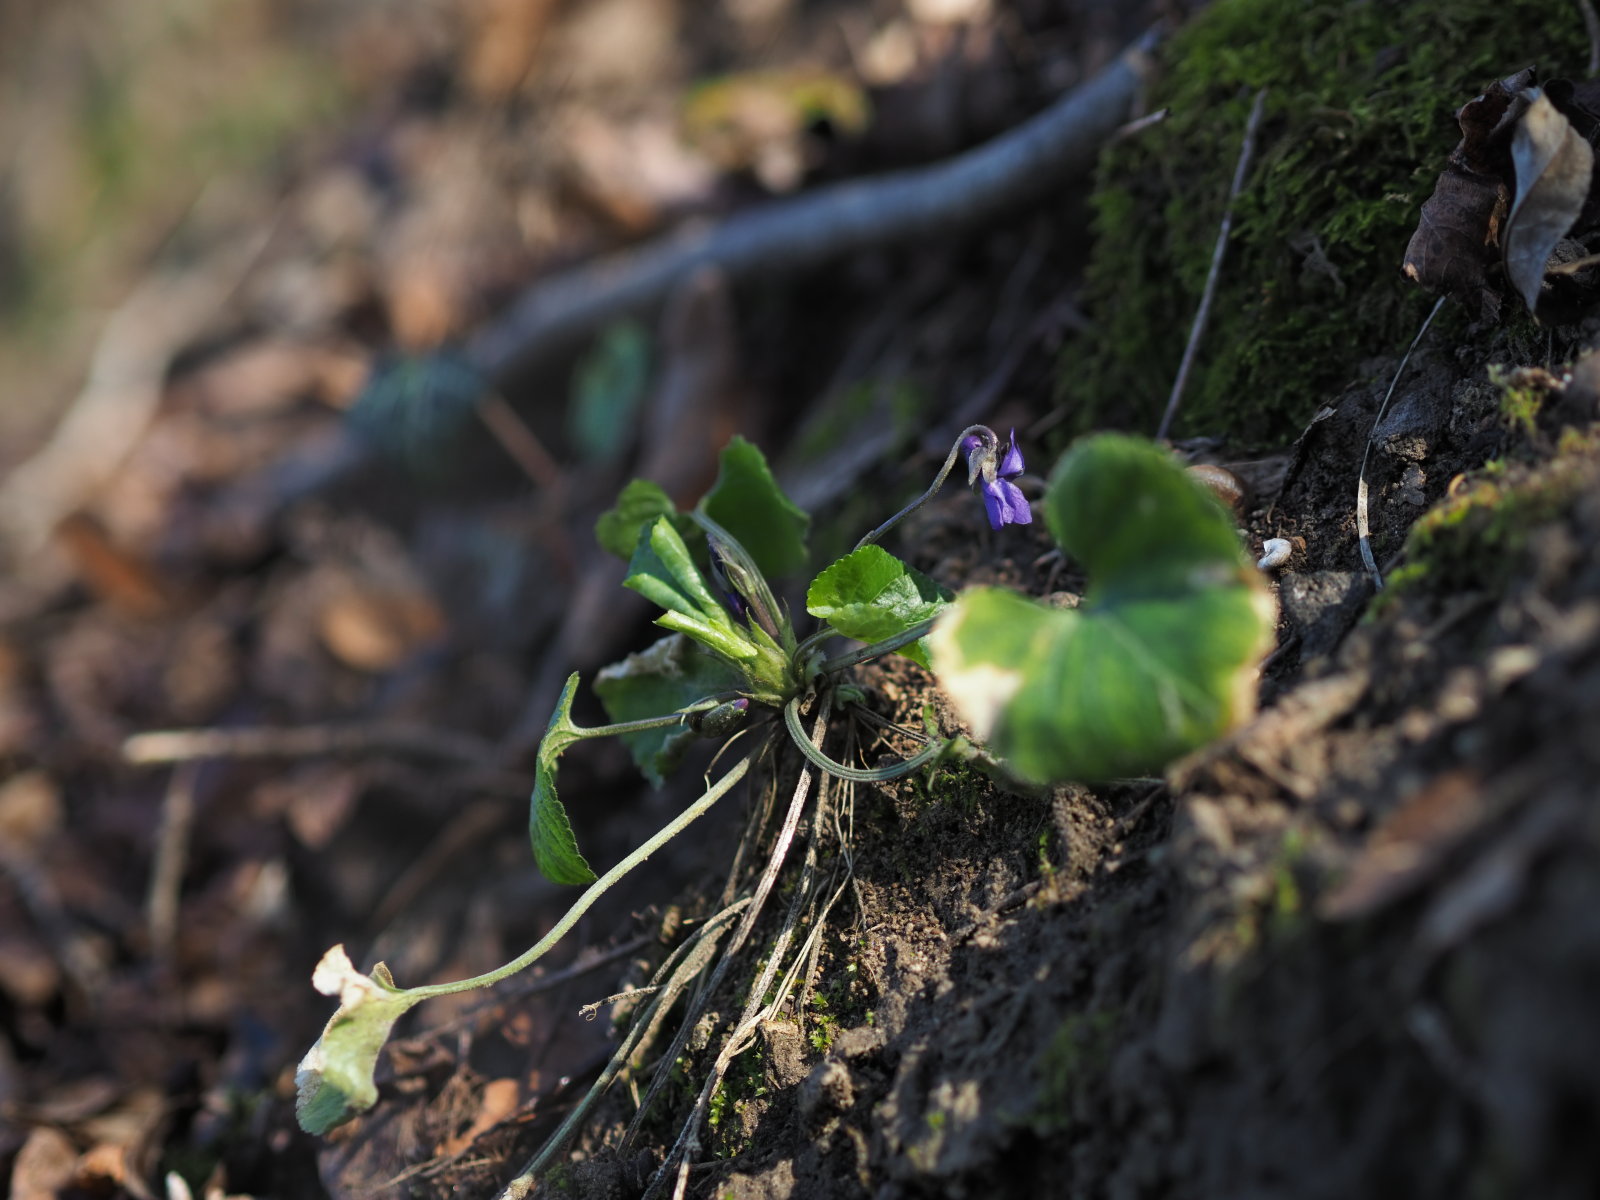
(1160, 658)
(639, 504)
(671, 675)
(555, 849)
(870, 595)
(747, 501)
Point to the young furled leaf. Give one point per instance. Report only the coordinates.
(1554, 165)
(1159, 659)
(663, 572)
(870, 595)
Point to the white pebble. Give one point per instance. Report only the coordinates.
(1274, 553)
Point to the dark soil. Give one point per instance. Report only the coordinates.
(1352, 949)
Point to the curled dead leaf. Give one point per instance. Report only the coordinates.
(1458, 227)
(1553, 165)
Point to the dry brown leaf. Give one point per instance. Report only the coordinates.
(1458, 227)
(44, 1165)
(1407, 848)
(28, 973)
(30, 812)
(503, 39)
(501, 1098)
(316, 800)
(375, 630)
(121, 579)
(1553, 165)
(255, 380)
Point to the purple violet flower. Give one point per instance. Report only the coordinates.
(1005, 502)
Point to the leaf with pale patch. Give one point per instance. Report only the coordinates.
(1160, 658)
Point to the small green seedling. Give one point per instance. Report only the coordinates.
(1159, 659)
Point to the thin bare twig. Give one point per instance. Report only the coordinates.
(1363, 529)
(763, 1000)
(519, 442)
(1210, 290)
(308, 741)
(1019, 166)
(1591, 25)
(171, 856)
(682, 967)
(1140, 124)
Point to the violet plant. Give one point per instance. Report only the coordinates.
(1158, 659)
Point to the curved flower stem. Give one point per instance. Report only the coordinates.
(867, 653)
(595, 890)
(791, 718)
(672, 718)
(982, 431)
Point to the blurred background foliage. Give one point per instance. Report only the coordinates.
(118, 121)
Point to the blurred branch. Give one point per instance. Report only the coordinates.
(187, 745)
(122, 390)
(1016, 168)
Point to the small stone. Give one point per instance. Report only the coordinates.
(1275, 553)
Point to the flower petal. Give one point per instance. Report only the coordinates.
(995, 501)
(1016, 503)
(1011, 465)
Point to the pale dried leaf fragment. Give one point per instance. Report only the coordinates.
(334, 1081)
(1554, 165)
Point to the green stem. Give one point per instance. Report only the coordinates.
(791, 718)
(647, 723)
(904, 638)
(595, 890)
(938, 482)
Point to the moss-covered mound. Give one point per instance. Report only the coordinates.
(1358, 120)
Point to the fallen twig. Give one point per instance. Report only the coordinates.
(1591, 25)
(311, 741)
(172, 853)
(1363, 529)
(121, 391)
(1203, 313)
(1012, 169)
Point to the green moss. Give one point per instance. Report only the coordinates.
(744, 1083)
(1519, 402)
(1078, 1054)
(557, 1181)
(1475, 538)
(1359, 118)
